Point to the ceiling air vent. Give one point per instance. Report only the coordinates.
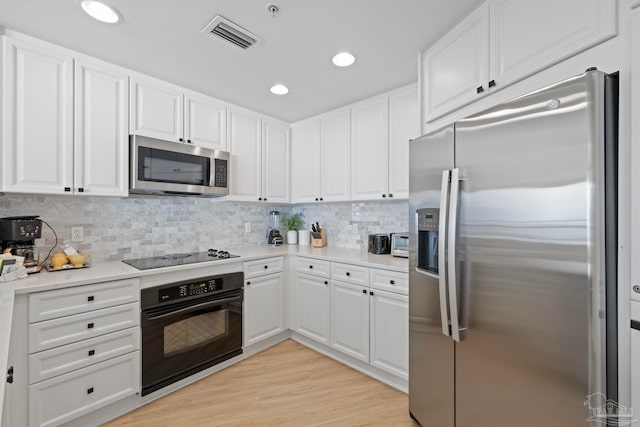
(233, 33)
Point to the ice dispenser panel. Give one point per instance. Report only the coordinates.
(428, 223)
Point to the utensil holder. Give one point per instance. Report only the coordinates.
(319, 239)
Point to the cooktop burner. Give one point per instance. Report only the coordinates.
(170, 260)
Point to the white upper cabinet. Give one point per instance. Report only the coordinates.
(404, 125)
(275, 161)
(101, 134)
(505, 41)
(529, 36)
(38, 118)
(455, 71)
(305, 161)
(334, 156)
(245, 148)
(370, 149)
(164, 111)
(205, 121)
(320, 158)
(157, 109)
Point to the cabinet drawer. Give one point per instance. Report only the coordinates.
(80, 299)
(60, 360)
(63, 398)
(350, 274)
(260, 267)
(312, 266)
(70, 329)
(392, 281)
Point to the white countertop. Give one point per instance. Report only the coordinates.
(108, 271)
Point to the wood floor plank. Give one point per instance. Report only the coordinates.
(287, 385)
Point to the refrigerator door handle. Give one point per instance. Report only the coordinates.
(451, 238)
(442, 244)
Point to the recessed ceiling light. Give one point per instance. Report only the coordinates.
(279, 89)
(344, 59)
(100, 11)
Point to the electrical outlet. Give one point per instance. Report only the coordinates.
(77, 234)
(247, 227)
(355, 227)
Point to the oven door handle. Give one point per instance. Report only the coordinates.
(195, 307)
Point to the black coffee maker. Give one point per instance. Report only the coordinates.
(17, 235)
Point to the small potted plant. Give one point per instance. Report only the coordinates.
(293, 223)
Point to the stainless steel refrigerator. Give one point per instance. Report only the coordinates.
(512, 285)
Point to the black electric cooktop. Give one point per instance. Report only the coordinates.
(178, 259)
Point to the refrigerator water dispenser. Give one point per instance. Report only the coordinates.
(428, 223)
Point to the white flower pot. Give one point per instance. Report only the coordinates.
(292, 237)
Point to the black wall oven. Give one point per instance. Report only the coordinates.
(189, 326)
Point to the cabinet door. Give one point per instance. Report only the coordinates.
(275, 162)
(404, 125)
(350, 319)
(101, 132)
(390, 332)
(313, 295)
(38, 118)
(335, 156)
(157, 109)
(263, 307)
(635, 155)
(370, 149)
(244, 145)
(305, 162)
(635, 369)
(206, 122)
(529, 36)
(455, 71)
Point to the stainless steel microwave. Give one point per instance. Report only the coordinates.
(171, 168)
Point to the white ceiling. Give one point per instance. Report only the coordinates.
(163, 38)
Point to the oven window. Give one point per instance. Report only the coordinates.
(196, 331)
(167, 166)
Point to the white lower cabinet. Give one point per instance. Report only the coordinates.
(81, 359)
(635, 369)
(313, 307)
(63, 398)
(263, 305)
(350, 319)
(390, 332)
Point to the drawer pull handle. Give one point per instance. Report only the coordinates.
(364, 291)
(311, 267)
(393, 282)
(371, 293)
(90, 325)
(90, 298)
(248, 283)
(348, 274)
(90, 390)
(92, 352)
(266, 266)
(326, 283)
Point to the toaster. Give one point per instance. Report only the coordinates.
(379, 244)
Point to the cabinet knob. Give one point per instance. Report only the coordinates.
(180, 139)
(311, 267)
(90, 390)
(384, 196)
(189, 141)
(92, 352)
(364, 291)
(67, 189)
(390, 195)
(90, 325)
(248, 283)
(492, 83)
(90, 298)
(260, 198)
(316, 199)
(321, 199)
(636, 289)
(393, 282)
(266, 266)
(479, 89)
(371, 293)
(348, 274)
(265, 199)
(326, 283)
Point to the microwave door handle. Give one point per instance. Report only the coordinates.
(442, 243)
(453, 220)
(194, 307)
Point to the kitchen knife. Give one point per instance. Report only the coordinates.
(313, 228)
(318, 226)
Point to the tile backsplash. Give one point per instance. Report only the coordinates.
(116, 229)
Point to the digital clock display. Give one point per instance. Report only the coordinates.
(197, 286)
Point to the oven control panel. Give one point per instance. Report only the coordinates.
(190, 289)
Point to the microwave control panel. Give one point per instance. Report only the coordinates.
(220, 173)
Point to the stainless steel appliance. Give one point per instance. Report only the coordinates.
(18, 234)
(379, 244)
(512, 308)
(170, 168)
(178, 259)
(189, 326)
(400, 245)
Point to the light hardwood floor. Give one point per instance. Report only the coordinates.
(285, 385)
